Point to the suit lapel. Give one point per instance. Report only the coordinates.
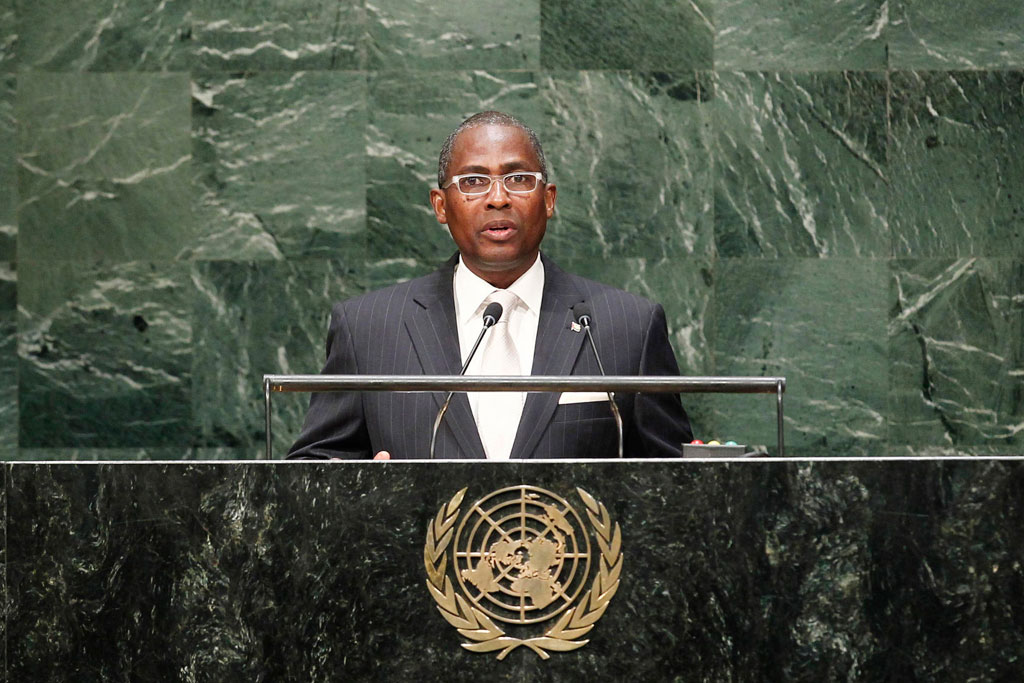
(433, 330)
(555, 354)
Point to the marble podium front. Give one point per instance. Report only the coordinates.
(753, 570)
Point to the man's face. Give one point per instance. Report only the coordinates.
(498, 233)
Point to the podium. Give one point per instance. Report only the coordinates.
(746, 570)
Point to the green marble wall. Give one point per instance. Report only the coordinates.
(829, 190)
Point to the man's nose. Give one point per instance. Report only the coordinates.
(497, 195)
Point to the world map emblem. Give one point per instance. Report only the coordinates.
(529, 570)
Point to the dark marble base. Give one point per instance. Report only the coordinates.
(757, 570)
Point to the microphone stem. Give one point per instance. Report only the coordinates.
(472, 351)
(437, 422)
(448, 398)
(611, 395)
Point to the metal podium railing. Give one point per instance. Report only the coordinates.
(431, 383)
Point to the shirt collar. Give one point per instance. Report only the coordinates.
(471, 290)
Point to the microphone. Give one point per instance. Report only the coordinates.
(582, 312)
(492, 314)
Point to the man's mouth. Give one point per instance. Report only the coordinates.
(499, 229)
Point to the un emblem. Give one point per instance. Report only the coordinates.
(522, 558)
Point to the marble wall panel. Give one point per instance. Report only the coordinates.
(821, 323)
(133, 454)
(946, 34)
(103, 166)
(956, 353)
(8, 36)
(800, 164)
(386, 272)
(104, 355)
(279, 163)
(277, 35)
(8, 357)
(818, 35)
(897, 450)
(629, 153)
(8, 174)
(410, 115)
(314, 131)
(254, 319)
(956, 162)
(626, 34)
(482, 35)
(104, 35)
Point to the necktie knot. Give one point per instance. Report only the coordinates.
(508, 301)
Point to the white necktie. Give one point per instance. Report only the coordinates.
(499, 412)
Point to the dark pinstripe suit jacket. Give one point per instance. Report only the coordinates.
(410, 329)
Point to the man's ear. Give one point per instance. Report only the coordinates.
(550, 192)
(437, 202)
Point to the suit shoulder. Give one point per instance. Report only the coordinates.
(393, 297)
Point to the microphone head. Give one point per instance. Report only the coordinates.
(492, 313)
(582, 313)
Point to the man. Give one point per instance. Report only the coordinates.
(494, 197)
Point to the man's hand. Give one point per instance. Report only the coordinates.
(383, 455)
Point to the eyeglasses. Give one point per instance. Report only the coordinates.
(519, 182)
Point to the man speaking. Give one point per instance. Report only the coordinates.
(494, 197)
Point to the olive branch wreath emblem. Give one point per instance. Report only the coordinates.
(484, 634)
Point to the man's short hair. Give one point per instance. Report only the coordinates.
(488, 118)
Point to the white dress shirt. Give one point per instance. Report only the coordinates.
(470, 292)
